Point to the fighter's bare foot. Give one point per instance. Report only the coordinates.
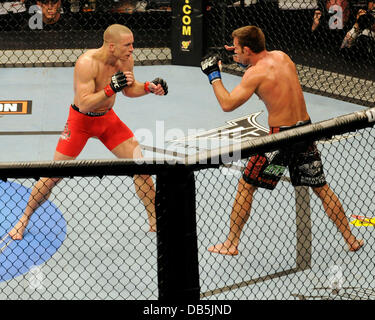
(355, 245)
(17, 232)
(226, 248)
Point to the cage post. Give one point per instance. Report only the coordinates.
(303, 222)
(178, 272)
(187, 27)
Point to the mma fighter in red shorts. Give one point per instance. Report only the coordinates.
(98, 75)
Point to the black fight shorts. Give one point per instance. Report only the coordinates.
(303, 161)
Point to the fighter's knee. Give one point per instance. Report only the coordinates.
(141, 179)
(245, 185)
(50, 182)
(321, 191)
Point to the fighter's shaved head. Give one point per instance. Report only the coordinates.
(114, 31)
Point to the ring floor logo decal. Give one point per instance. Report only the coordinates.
(43, 237)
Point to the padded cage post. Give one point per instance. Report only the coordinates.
(304, 233)
(176, 235)
(186, 33)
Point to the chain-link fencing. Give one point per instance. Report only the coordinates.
(56, 33)
(332, 42)
(91, 239)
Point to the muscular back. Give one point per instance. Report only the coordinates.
(280, 90)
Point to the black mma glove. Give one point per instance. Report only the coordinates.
(210, 66)
(118, 82)
(157, 81)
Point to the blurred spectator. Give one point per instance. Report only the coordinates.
(363, 26)
(89, 6)
(124, 6)
(51, 10)
(75, 6)
(316, 20)
(162, 5)
(12, 7)
(245, 3)
(130, 6)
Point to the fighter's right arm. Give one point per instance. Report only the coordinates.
(230, 101)
(84, 86)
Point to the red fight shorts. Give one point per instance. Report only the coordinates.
(108, 128)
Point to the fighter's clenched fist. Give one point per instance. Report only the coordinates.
(211, 66)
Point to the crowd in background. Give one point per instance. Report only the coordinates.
(121, 6)
(356, 17)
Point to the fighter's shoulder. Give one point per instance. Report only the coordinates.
(86, 67)
(280, 55)
(87, 61)
(259, 68)
(254, 75)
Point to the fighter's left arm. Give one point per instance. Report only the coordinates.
(157, 86)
